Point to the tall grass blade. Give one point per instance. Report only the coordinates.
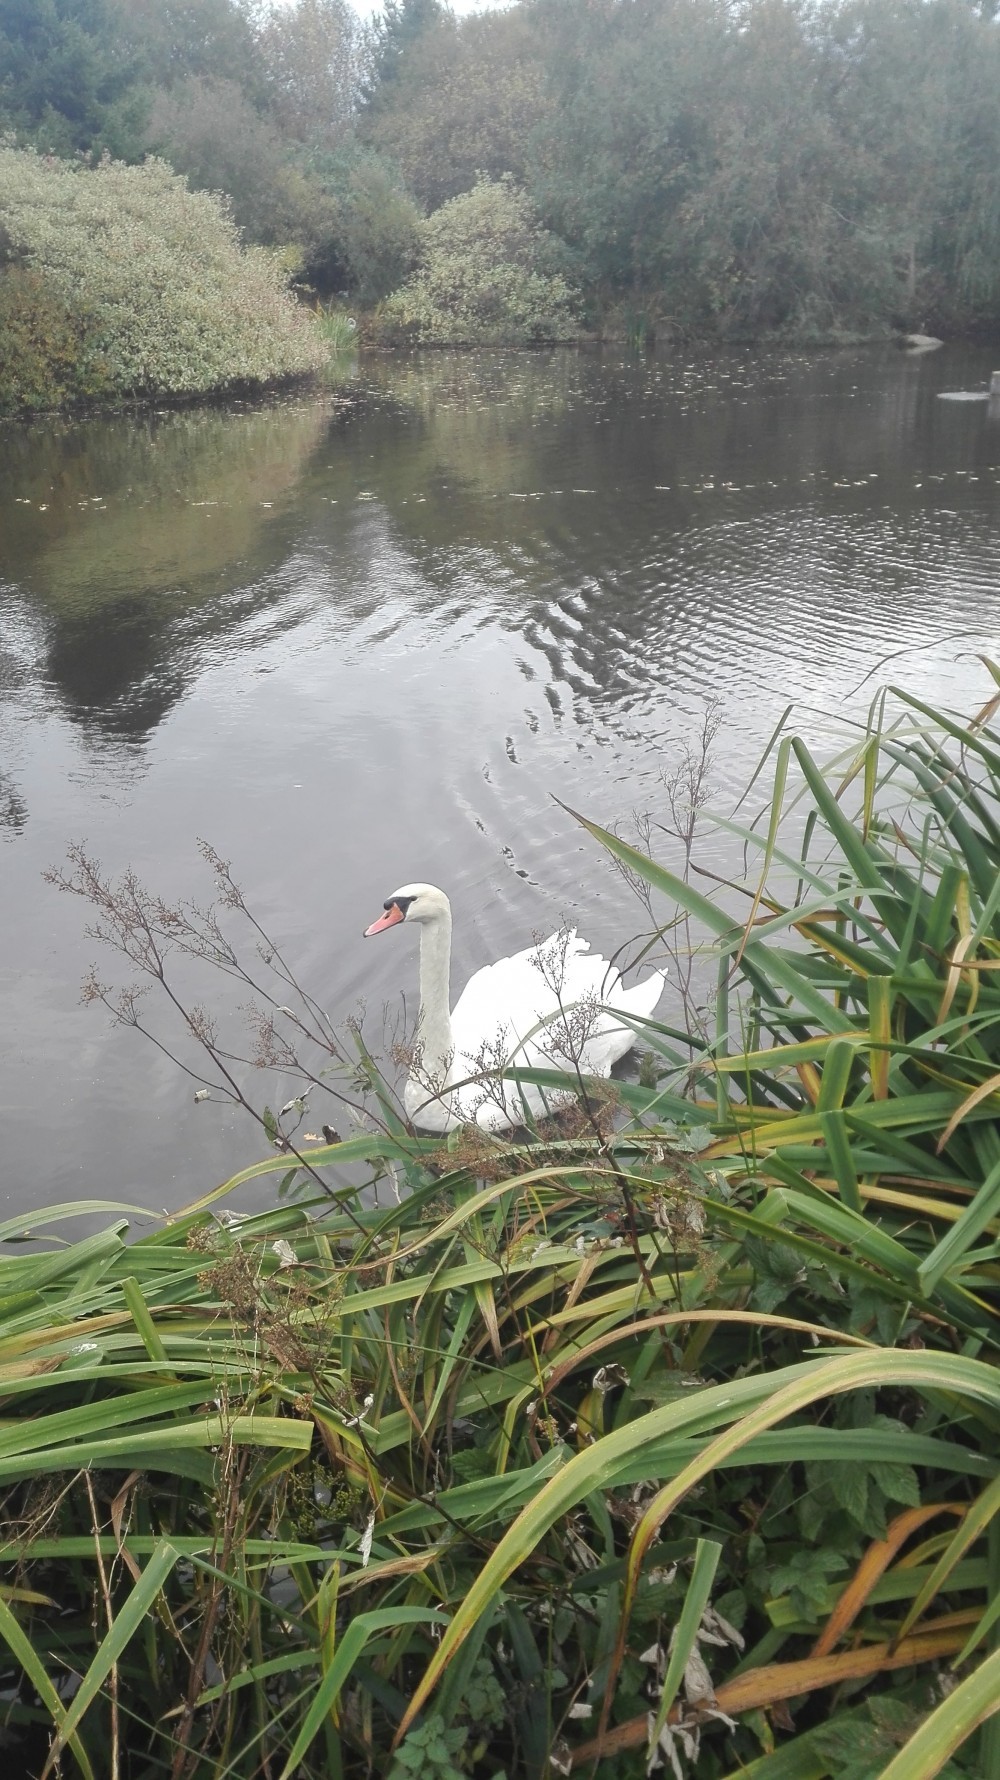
(683, 1640)
(32, 1663)
(346, 1656)
(114, 1644)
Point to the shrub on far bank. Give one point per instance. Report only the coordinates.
(43, 360)
(490, 275)
(137, 286)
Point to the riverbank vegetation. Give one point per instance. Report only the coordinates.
(770, 169)
(487, 274)
(120, 281)
(666, 1436)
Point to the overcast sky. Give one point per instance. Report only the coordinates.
(365, 8)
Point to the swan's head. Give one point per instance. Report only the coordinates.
(411, 902)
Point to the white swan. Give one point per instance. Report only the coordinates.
(495, 1022)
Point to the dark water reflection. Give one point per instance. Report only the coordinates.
(353, 646)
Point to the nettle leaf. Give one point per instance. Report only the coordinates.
(858, 1411)
(812, 1513)
(768, 1294)
(852, 1747)
(872, 1311)
(778, 1271)
(891, 1424)
(472, 1462)
(427, 1751)
(858, 1750)
(485, 1702)
(849, 1483)
(805, 1579)
(875, 1523)
(897, 1482)
(773, 1260)
(733, 1606)
(893, 1716)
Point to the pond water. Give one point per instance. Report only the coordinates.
(352, 644)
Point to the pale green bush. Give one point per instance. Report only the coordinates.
(168, 299)
(489, 275)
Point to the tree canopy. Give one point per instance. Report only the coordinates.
(807, 166)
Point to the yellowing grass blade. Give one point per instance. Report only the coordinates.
(974, 1700)
(875, 1562)
(976, 1098)
(844, 1372)
(975, 1521)
(786, 1681)
(777, 798)
(880, 1033)
(956, 963)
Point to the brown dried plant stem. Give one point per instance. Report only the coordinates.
(234, 1469)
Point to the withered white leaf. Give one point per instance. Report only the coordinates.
(366, 1540)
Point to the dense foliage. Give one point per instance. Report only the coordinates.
(667, 1436)
(66, 80)
(118, 280)
(769, 166)
(489, 274)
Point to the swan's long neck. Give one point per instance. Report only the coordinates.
(434, 1027)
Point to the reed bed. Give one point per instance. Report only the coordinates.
(664, 1436)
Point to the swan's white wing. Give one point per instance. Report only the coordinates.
(613, 1038)
(530, 994)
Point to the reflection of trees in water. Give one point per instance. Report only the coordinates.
(163, 532)
(639, 520)
(149, 525)
(13, 809)
(608, 511)
(501, 429)
(14, 672)
(488, 383)
(471, 419)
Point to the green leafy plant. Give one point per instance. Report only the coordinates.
(429, 1749)
(156, 291)
(519, 1472)
(489, 275)
(44, 360)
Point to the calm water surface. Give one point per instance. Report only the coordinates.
(355, 646)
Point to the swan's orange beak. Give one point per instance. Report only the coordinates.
(393, 915)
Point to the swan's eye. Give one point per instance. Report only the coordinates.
(402, 903)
